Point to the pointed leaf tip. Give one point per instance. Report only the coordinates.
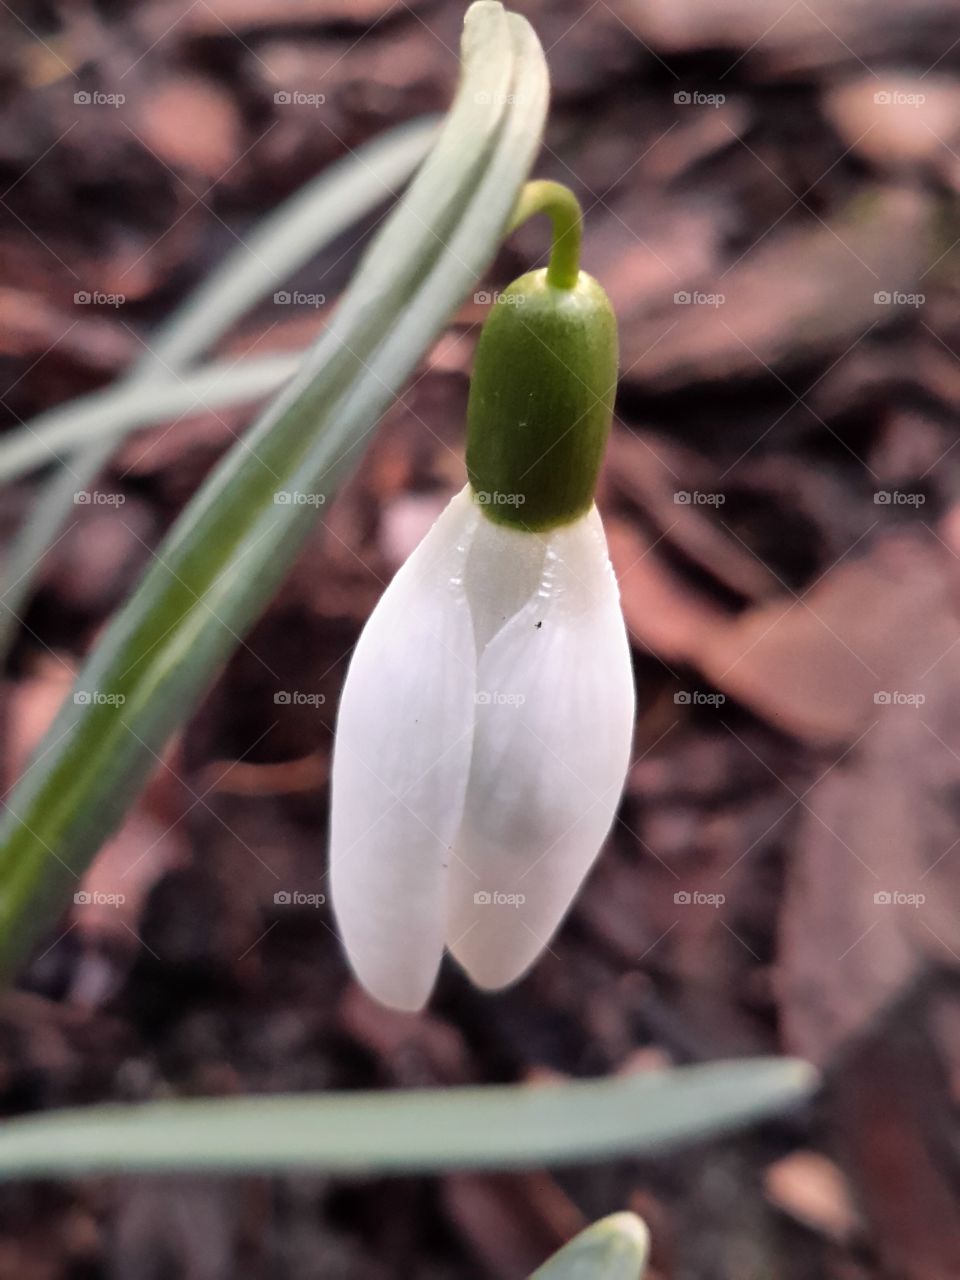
(615, 1248)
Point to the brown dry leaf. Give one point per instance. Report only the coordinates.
(190, 125)
(695, 24)
(796, 296)
(658, 475)
(891, 1124)
(899, 120)
(875, 875)
(813, 1190)
(250, 15)
(643, 251)
(776, 36)
(814, 664)
(513, 1222)
(32, 326)
(109, 899)
(415, 1049)
(31, 706)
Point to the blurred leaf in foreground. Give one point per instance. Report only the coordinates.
(412, 1131)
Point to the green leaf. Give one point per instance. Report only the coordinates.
(230, 549)
(287, 239)
(615, 1248)
(278, 246)
(89, 429)
(415, 1131)
(109, 414)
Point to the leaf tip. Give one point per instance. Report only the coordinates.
(617, 1248)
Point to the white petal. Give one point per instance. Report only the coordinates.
(503, 571)
(551, 750)
(400, 766)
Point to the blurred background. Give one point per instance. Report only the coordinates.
(771, 195)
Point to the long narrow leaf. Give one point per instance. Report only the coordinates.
(109, 414)
(416, 1131)
(278, 246)
(281, 243)
(288, 238)
(231, 547)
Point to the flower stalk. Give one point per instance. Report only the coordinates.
(563, 209)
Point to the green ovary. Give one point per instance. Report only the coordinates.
(541, 401)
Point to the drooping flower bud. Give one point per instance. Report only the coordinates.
(485, 725)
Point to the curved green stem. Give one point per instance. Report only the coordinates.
(563, 208)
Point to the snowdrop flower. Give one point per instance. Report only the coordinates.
(485, 725)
